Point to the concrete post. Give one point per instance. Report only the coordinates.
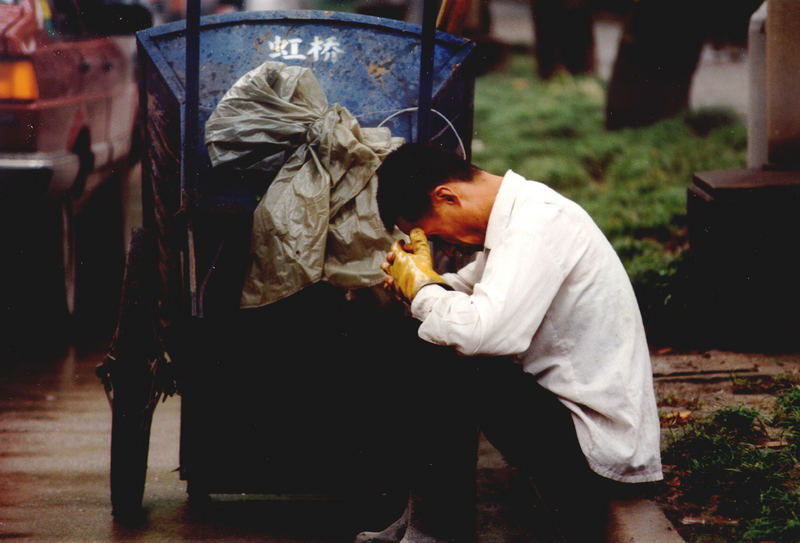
(757, 89)
(783, 75)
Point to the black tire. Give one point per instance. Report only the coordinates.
(68, 256)
(132, 379)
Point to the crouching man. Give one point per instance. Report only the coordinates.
(546, 318)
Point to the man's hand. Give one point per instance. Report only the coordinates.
(408, 269)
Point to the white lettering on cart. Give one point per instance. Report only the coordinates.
(287, 49)
(327, 49)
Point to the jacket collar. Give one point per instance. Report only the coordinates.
(501, 209)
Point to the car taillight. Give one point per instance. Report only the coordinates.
(18, 80)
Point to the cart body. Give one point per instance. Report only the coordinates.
(299, 396)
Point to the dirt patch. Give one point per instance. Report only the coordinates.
(704, 382)
(691, 386)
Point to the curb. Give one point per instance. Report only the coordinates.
(640, 521)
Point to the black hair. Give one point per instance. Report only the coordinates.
(409, 174)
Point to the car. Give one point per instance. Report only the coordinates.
(68, 139)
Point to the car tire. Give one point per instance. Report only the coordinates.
(68, 258)
(33, 310)
(93, 252)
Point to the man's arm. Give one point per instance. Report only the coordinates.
(505, 308)
(464, 279)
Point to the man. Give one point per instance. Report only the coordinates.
(563, 381)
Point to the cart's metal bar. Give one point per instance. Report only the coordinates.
(430, 11)
(191, 134)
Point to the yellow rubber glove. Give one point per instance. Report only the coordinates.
(412, 268)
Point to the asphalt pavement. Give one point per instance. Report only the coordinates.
(55, 432)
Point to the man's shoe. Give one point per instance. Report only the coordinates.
(413, 535)
(391, 534)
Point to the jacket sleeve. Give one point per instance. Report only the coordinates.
(500, 316)
(465, 278)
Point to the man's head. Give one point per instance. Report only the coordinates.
(434, 189)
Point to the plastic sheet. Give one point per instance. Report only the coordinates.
(318, 220)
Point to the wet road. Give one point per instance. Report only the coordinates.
(55, 431)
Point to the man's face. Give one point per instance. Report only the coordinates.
(451, 226)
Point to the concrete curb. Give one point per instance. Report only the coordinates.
(640, 521)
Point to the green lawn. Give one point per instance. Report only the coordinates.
(633, 181)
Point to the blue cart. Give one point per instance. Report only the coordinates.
(289, 398)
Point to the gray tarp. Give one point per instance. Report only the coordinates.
(319, 219)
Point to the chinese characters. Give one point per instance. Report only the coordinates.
(327, 49)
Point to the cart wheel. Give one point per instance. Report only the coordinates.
(132, 377)
(130, 443)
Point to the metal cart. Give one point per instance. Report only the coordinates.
(289, 398)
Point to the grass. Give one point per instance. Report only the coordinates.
(632, 181)
(729, 467)
(763, 384)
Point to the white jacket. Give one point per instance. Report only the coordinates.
(549, 291)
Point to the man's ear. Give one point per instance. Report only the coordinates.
(444, 194)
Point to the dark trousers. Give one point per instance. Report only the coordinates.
(535, 432)
(456, 397)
